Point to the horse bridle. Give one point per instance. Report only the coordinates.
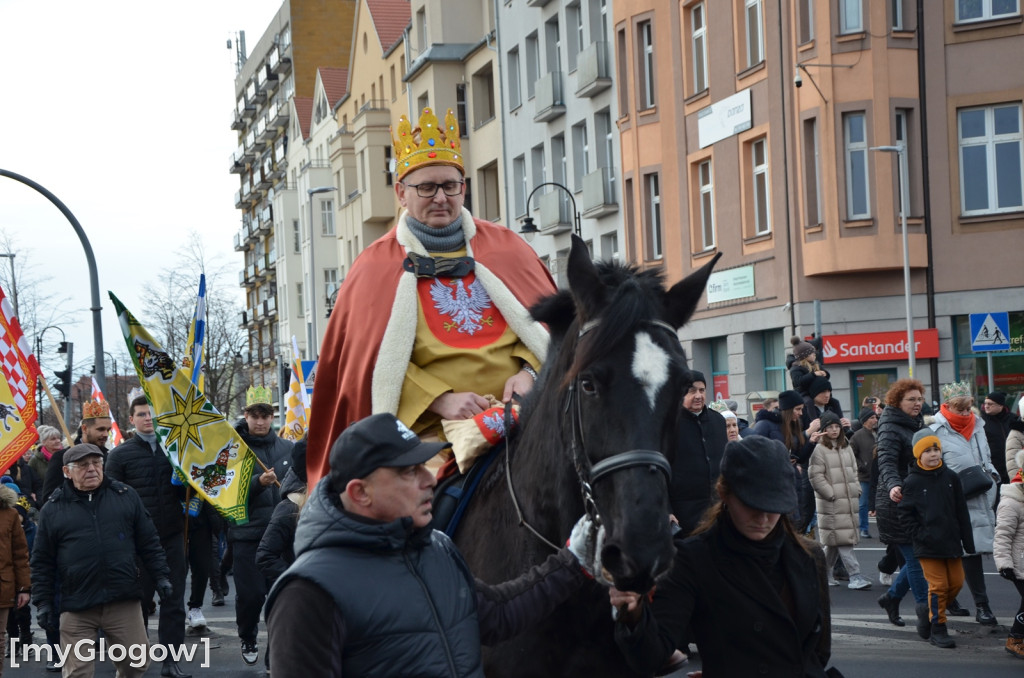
(587, 473)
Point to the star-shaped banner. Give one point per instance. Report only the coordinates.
(180, 426)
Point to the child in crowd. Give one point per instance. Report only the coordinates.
(1008, 550)
(805, 365)
(934, 513)
(833, 475)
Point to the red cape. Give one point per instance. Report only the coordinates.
(342, 387)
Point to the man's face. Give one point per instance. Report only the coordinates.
(399, 492)
(438, 210)
(259, 423)
(86, 474)
(96, 431)
(142, 419)
(694, 398)
(992, 408)
(822, 398)
(871, 423)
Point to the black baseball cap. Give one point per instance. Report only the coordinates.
(378, 441)
(81, 451)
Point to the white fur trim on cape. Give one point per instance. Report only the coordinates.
(397, 344)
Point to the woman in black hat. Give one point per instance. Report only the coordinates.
(746, 574)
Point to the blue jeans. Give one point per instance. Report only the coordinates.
(865, 487)
(911, 577)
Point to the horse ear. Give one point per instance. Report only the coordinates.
(683, 297)
(556, 311)
(584, 282)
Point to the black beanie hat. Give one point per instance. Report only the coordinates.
(866, 414)
(817, 385)
(698, 376)
(998, 397)
(829, 418)
(789, 399)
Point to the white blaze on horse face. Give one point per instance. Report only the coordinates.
(650, 366)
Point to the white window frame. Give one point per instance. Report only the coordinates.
(327, 217)
(652, 191)
(707, 204)
(986, 12)
(990, 140)
(606, 149)
(515, 94)
(296, 237)
(760, 177)
(755, 31)
(897, 15)
(519, 184)
(330, 282)
(581, 154)
(853, 149)
(850, 9)
(807, 19)
(646, 31)
(699, 47)
(532, 63)
(539, 168)
(302, 299)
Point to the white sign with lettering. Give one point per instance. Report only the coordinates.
(734, 283)
(724, 118)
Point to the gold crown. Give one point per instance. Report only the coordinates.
(427, 144)
(955, 390)
(258, 395)
(95, 409)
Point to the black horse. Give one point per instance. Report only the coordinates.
(592, 432)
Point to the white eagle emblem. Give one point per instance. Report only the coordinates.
(465, 307)
(495, 422)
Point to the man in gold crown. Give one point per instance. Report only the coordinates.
(94, 430)
(433, 315)
(275, 455)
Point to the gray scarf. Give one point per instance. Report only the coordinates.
(447, 239)
(149, 438)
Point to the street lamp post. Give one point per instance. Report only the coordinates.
(39, 357)
(14, 283)
(314, 347)
(529, 228)
(901, 152)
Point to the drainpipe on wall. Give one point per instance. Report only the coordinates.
(929, 277)
(785, 172)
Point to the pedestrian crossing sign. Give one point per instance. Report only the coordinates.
(990, 332)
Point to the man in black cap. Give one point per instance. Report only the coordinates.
(998, 419)
(375, 591)
(863, 444)
(91, 531)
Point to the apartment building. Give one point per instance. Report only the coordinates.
(755, 134)
(304, 36)
(558, 110)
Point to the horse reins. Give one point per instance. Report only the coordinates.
(587, 474)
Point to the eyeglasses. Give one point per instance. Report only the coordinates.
(429, 189)
(95, 463)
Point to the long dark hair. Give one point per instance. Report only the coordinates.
(791, 428)
(713, 515)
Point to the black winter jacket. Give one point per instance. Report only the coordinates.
(369, 599)
(275, 453)
(88, 542)
(277, 548)
(148, 471)
(699, 443)
(812, 412)
(934, 513)
(55, 472)
(896, 431)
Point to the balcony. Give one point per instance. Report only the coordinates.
(237, 164)
(555, 214)
(278, 63)
(242, 319)
(245, 108)
(260, 80)
(265, 131)
(239, 242)
(536, 3)
(262, 175)
(270, 307)
(244, 279)
(549, 102)
(250, 95)
(266, 219)
(248, 229)
(270, 260)
(253, 316)
(593, 70)
(599, 193)
(237, 122)
(258, 135)
(239, 203)
(249, 146)
(278, 116)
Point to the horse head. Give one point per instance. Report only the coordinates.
(616, 372)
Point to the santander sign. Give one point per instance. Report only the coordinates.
(874, 346)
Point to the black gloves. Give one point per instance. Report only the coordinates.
(164, 589)
(1007, 573)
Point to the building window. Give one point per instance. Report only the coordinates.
(806, 21)
(330, 282)
(983, 10)
(574, 26)
(851, 16)
(655, 244)
(812, 173)
(699, 47)
(580, 154)
(538, 164)
(532, 63)
(394, 87)
(606, 149)
(421, 28)
(423, 101)
(610, 247)
(558, 161)
(462, 108)
(483, 95)
(901, 134)
(553, 44)
(489, 201)
(326, 217)
(759, 169)
(620, 60)
(990, 159)
(706, 186)
(856, 143)
(301, 306)
(719, 350)
(774, 345)
(897, 15)
(755, 33)
(645, 38)
(519, 184)
(515, 96)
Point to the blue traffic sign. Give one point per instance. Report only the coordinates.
(990, 332)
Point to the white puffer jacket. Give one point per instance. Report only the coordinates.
(1008, 547)
(833, 475)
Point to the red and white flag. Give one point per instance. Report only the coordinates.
(114, 438)
(18, 411)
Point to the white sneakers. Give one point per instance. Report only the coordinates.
(887, 579)
(859, 582)
(194, 618)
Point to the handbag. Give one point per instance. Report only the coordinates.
(975, 480)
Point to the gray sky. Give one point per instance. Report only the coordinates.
(122, 109)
